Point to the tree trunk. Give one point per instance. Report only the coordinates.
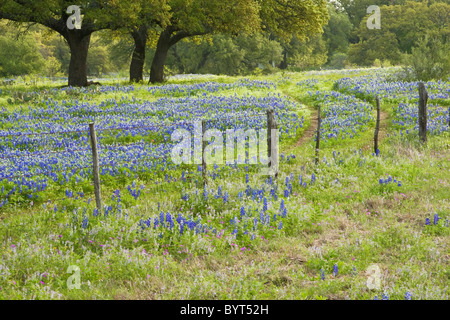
(283, 64)
(162, 48)
(138, 59)
(79, 47)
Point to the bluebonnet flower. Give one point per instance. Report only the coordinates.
(280, 225)
(205, 194)
(265, 204)
(234, 232)
(427, 221)
(436, 219)
(85, 222)
(322, 274)
(252, 237)
(385, 297)
(408, 295)
(246, 178)
(181, 228)
(335, 270)
(375, 298)
(242, 211)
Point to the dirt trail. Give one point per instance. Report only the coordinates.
(311, 130)
(309, 133)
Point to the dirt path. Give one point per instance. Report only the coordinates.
(311, 130)
(309, 133)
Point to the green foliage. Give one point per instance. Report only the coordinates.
(26, 58)
(338, 61)
(429, 60)
(226, 55)
(337, 32)
(308, 54)
(401, 26)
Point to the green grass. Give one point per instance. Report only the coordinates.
(346, 219)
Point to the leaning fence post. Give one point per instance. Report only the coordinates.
(272, 141)
(423, 98)
(98, 200)
(205, 182)
(319, 120)
(377, 127)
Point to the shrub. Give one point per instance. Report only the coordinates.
(429, 59)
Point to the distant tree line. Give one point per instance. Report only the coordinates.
(140, 38)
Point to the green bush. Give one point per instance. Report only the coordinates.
(429, 60)
(338, 61)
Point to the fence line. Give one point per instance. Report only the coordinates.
(96, 166)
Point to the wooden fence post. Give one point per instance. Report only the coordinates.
(272, 146)
(423, 98)
(377, 128)
(98, 200)
(319, 121)
(205, 181)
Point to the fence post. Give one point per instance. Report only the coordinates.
(423, 98)
(98, 200)
(377, 128)
(272, 148)
(205, 181)
(319, 120)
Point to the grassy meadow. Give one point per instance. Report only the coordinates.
(315, 232)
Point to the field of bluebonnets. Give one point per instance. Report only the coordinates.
(313, 233)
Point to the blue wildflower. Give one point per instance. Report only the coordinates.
(85, 222)
(436, 219)
(335, 270)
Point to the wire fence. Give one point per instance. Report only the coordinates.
(117, 165)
